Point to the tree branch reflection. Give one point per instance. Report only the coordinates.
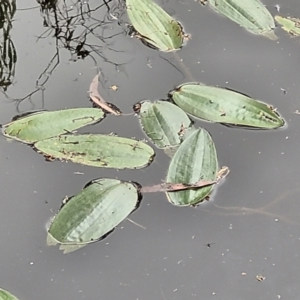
(8, 55)
(76, 27)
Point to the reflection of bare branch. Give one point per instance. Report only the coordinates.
(67, 24)
(7, 11)
(41, 81)
(8, 55)
(75, 26)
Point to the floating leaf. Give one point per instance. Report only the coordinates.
(250, 14)
(93, 213)
(170, 151)
(99, 101)
(46, 124)
(163, 122)
(225, 106)
(5, 295)
(154, 26)
(291, 25)
(194, 161)
(97, 150)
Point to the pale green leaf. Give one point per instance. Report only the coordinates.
(154, 26)
(250, 14)
(97, 150)
(163, 122)
(195, 160)
(46, 124)
(225, 106)
(93, 213)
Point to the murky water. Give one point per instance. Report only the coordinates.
(220, 250)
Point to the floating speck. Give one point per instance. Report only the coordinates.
(260, 277)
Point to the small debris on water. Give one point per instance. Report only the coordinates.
(114, 88)
(260, 277)
(283, 90)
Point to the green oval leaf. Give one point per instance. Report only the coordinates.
(290, 25)
(163, 122)
(93, 213)
(46, 124)
(250, 14)
(5, 295)
(97, 150)
(154, 26)
(195, 160)
(225, 106)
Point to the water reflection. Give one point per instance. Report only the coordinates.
(8, 55)
(85, 29)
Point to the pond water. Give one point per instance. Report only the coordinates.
(241, 245)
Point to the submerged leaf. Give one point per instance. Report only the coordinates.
(163, 122)
(250, 14)
(5, 295)
(46, 124)
(98, 150)
(93, 213)
(291, 25)
(154, 26)
(225, 106)
(194, 161)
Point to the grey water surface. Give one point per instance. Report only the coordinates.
(243, 244)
